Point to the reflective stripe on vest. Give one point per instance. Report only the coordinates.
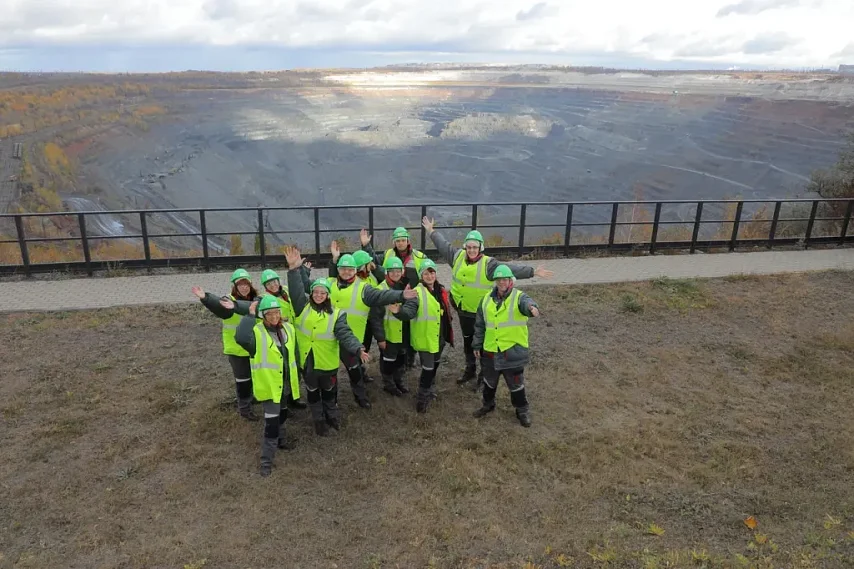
(321, 342)
(229, 326)
(268, 363)
(468, 289)
(426, 327)
(392, 325)
(505, 326)
(352, 304)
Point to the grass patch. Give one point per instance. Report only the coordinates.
(666, 414)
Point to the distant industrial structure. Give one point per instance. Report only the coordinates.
(846, 69)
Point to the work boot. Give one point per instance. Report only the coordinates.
(524, 417)
(398, 380)
(468, 375)
(484, 410)
(268, 453)
(334, 422)
(363, 402)
(244, 408)
(321, 429)
(284, 443)
(401, 387)
(389, 385)
(357, 384)
(422, 401)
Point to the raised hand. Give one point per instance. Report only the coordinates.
(199, 292)
(307, 264)
(409, 293)
(226, 303)
(542, 272)
(365, 237)
(253, 307)
(427, 224)
(535, 312)
(365, 357)
(335, 250)
(293, 257)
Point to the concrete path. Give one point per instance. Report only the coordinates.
(123, 291)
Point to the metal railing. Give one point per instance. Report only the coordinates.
(841, 209)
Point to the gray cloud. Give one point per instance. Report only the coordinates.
(751, 7)
(847, 51)
(537, 11)
(768, 43)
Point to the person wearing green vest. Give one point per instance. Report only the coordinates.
(472, 280)
(387, 328)
(270, 342)
(323, 335)
(366, 271)
(411, 259)
(356, 298)
(501, 342)
(273, 286)
(429, 315)
(241, 290)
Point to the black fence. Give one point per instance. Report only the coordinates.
(799, 216)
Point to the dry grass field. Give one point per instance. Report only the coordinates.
(666, 414)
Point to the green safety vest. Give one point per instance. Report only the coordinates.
(349, 300)
(229, 327)
(316, 334)
(391, 324)
(505, 326)
(268, 364)
(371, 280)
(414, 262)
(426, 327)
(470, 283)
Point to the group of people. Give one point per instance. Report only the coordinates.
(303, 328)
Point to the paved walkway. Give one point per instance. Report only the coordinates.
(123, 291)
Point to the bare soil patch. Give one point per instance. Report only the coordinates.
(665, 414)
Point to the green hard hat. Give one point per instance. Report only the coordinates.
(240, 274)
(393, 263)
(361, 258)
(502, 272)
(426, 264)
(268, 302)
(400, 233)
(474, 235)
(268, 275)
(347, 261)
(322, 283)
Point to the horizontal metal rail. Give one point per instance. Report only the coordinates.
(728, 235)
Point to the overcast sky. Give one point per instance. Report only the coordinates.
(158, 35)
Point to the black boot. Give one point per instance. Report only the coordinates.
(244, 408)
(468, 375)
(484, 409)
(398, 380)
(520, 401)
(296, 403)
(321, 429)
(358, 385)
(421, 403)
(524, 416)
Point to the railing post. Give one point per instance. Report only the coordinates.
(523, 214)
(143, 227)
(474, 216)
(262, 245)
(615, 209)
(698, 219)
(845, 222)
(655, 221)
(81, 223)
(316, 231)
(810, 223)
(370, 220)
(204, 227)
(423, 230)
(567, 230)
(734, 238)
(22, 244)
(772, 234)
